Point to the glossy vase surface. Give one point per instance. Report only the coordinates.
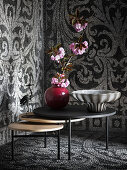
(56, 97)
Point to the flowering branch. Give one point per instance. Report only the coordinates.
(57, 53)
(68, 64)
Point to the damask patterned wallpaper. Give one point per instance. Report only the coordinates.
(104, 66)
(21, 58)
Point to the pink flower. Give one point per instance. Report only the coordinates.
(78, 51)
(79, 27)
(57, 57)
(72, 46)
(52, 57)
(62, 83)
(63, 80)
(85, 43)
(85, 25)
(60, 54)
(65, 84)
(54, 80)
(62, 75)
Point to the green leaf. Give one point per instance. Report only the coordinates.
(73, 21)
(58, 46)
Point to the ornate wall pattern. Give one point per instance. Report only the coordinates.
(21, 58)
(105, 64)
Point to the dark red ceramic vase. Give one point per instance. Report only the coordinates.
(56, 97)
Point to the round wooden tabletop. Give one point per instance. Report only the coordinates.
(31, 117)
(34, 127)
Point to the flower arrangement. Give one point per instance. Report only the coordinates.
(58, 54)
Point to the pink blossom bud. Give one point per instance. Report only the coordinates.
(61, 51)
(80, 52)
(63, 80)
(52, 57)
(71, 46)
(67, 82)
(85, 25)
(54, 81)
(78, 27)
(57, 57)
(63, 85)
(85, 43)
(62, 75)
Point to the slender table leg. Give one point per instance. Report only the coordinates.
(66, 124)
(69, 141)
(58, 144)
(45, 140)
(107, 119)
(12, 144)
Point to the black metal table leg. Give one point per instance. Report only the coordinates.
(12, 144)
(45, 140)
(107, 119)
(66, 124)
(58, 144)
(69, 141)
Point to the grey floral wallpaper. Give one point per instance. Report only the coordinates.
(29, 27)
(21, 58)
(104, 66)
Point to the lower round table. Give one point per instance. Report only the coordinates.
(34, 127)
(73, 112)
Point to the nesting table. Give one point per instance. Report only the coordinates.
(68, 114)
(35, 127)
